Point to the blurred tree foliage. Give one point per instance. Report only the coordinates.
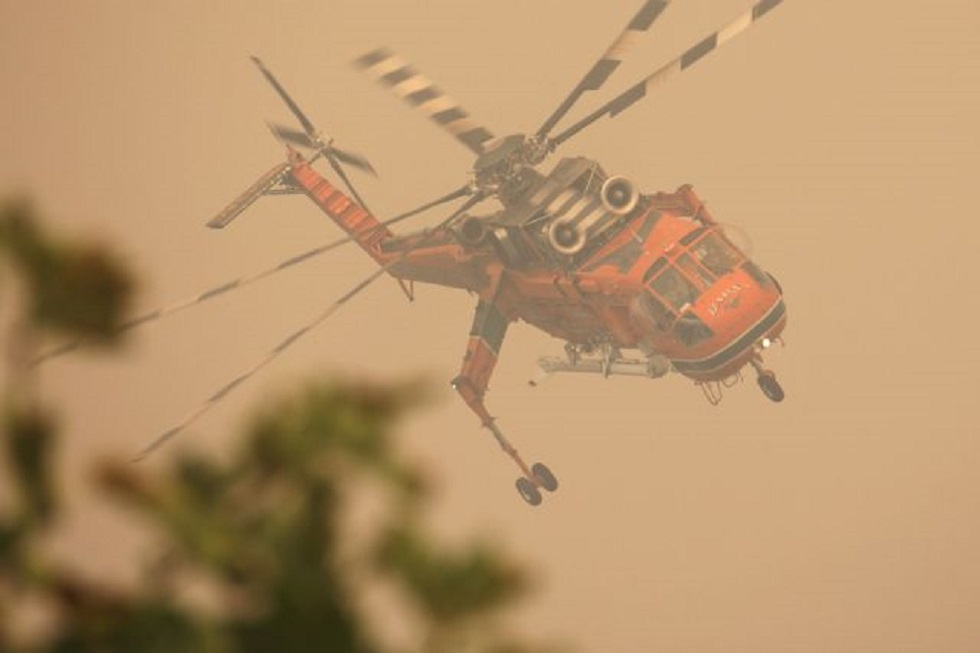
(264, 530)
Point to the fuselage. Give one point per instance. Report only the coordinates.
(662, 278)
(668, 280)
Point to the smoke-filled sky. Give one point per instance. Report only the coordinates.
(841, 135)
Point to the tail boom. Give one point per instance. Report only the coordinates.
(354, 219)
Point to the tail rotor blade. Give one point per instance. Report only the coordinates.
(303, 120)
(352, 159)
(693, 55)
(347, 182)
(292, 136)
(607, 64)
(301, 139)
(297, 335)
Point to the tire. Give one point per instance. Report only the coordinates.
(544, 477)
(770, 387)
(528, 491)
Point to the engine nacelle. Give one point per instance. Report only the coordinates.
(472, 231)
(619, 195)
(566, 237)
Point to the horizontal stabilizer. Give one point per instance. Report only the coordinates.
(263, 185)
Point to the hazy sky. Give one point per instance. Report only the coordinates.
(841, 134)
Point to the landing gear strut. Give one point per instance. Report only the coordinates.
(489, 326)
(536, 478)
(768, 383)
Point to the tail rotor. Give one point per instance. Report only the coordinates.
(311, 138)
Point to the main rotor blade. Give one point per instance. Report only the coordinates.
(388, 69)
(246, 280)
(303, 120)
(607, 64)
(292, 339)
(694, 54)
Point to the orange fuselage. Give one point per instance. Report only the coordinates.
(664, 280)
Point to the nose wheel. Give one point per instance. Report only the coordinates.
(770, 387)
(768, 383)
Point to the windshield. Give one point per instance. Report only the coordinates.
(675, 288)
(690, 330)
(695, 271)
(715, 254)
(649, 312)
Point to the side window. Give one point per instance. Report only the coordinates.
(690, 330)
(651, 309)
(674, 287)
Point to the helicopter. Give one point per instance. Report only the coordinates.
(634, 283)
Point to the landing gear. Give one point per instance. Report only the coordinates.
(770, 387)
(768, 383)
(542, 477)
(489, 326)
(528, 491)
(535, 478)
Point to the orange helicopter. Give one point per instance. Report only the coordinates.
(634, 283)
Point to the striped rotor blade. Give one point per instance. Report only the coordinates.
(303, 120)
(241, 282)
(297, 335)
(388, 69)
(693, 55)
(607, 64)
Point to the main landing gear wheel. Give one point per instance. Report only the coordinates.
(544, 477)
(528, 491)
(770, 387)
(541, 477)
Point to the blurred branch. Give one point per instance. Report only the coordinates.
(263, 528)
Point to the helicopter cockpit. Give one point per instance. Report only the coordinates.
(677, 280)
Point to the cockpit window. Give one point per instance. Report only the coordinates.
(652, 311)
(715, 254)
(695, 271)
(760, 277)
(690, 330)
(674, 287)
